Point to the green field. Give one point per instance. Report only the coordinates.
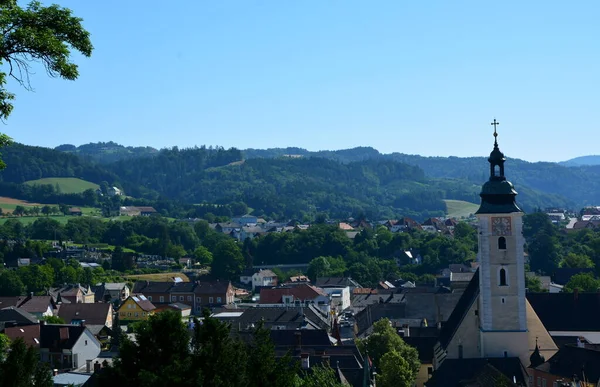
(459, 209)
(66, 184)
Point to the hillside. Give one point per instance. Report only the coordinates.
(581, 161)
(66, 184)
(460, 209)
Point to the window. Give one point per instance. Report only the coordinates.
(136, 314)
(218, 300)
(128, 306)
(539, 381)
(544, 382)
(505, 353)
(162, 299)
(189, 298)
(143, 314)
(502, 279)
(503, 300)
(502, 243)
(150, 298)
(128, 314)
(460, 351)
(198, 299)
(173, 298)
(210, 300)
(181, 298)
(86, 342)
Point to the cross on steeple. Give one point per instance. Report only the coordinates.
(495, 124)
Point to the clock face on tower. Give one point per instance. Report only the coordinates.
(501, 226)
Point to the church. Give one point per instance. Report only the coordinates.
(493, 333)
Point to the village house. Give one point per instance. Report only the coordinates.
(136, 211)
(295, 295)
(39, 306)
(264, 278)
(156, 292)
(136, 308)
(572, 365)
(114, 191)
(94, 316)
(74, 294)
(111, 291)
(183, 293)
(211, 294)
(67, 347)
(75, 211)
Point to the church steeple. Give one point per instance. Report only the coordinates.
(497, 194)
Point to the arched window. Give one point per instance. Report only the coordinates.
(496, 170)
(503, 277)
(502, 243)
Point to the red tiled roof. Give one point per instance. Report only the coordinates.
(300, 292)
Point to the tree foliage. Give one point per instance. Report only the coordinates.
(20, 366)
(35, 33)
(584, 282)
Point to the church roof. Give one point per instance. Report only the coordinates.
(466, 372)
(497, 194)
(467, 299)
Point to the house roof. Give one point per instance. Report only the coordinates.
(93, 314)
(152, 287)
(9, 301)
(29, 333)
(36, 304)
(211, 287)
(143, 302)
(290, 316)
(424, 346)
(461, 277)
(308, 337)
(335, 282)
(459, 372)
(266, 273)
(300, 292)
(183, 287)
(567, 311)
(573, 360)
(19, 316)
(60, 336)
(462, 307)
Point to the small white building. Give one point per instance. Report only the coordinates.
(340, 298)
(114, 191)
(264, 278)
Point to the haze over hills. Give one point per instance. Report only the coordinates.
(582, 161)
(294, 182)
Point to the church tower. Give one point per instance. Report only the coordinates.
(502, 305)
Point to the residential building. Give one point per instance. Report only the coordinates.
(67, 347)
(136, 211)
(29, 333)
(264, 278)
(114, 191)
(111, 291)
(245, 219)
(246, 276)
(291, 317)
(212, 294)
(183, 293)
(74, 294)
(13, 316)
(156, 292)
(575, 365)
(94, 316)
(337, 282)
(292, 295)
(39, 306)
(135, 308)
(75, 211)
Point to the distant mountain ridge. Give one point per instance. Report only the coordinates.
(107, 152)
(582, 161)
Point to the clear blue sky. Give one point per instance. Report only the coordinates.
(423, 77)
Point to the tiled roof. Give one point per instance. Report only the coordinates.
(19, 316)
(334, 282)
(36, 304)
(567, 312)
(211, 287)
(308, 337)
(143, 302)
(29, 333)
(290, 316)
(462, 307)
(152, 287)
(458, 372)
(94, 314)
(572, 360)
(9, 301)
(183, 287)
(300, 292)
(59, 336)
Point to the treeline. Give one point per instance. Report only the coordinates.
(107, 152)
(26, 163)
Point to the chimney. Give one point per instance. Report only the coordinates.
(305, 361)
(97, 366)
(88, 366)
(576, 294)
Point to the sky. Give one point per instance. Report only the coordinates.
(417, 77)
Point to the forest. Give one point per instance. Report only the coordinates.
(354, 182)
